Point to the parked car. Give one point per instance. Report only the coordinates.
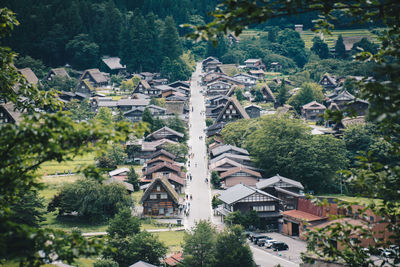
(278, 246)
(260, 236)
(269, 243)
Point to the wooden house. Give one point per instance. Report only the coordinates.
(148, 76)
(240, 175)
(58, 72)
(257, 73)
(244, 199)
(86, 88)
(142, 87)
(29, 75)
(213, 112)
(345, 101)
(165, 168)
(148, 148)
(247, 79)
(126, 104)
(328, 82)
(218, 100)
(210, 76)
(226, 164)
(253, 111)
(177, 182)
(227, 69)
(275, 67)
(157, 160)
(142, 264)
(218, 88)
(228, 149)
(240, 158)
(160, 199)
(267, 94)
(177, 84)
(286, 189)
(165, 132)
(313, 111)
(254, 63)
(8, 113)
(215, 129)
(94, 77)
(112, 65)
(232, 111)
(227, 79)
(163, 153)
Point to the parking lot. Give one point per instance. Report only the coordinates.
(293, 254)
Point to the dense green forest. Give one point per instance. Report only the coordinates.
(142, 33)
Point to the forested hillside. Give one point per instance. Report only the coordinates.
(61, 31)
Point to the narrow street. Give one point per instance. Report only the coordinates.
(200, 204)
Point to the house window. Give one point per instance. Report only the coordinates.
(161, 211)
(170, 210)
(153, 196)
(264, 208)
(158, 188)
(164, 196)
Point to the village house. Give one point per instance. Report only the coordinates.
(275, 67)
(239, 175)
(160, 81)
(136, 113)
(253, 111)
(328, 82)
(228, 149)
(94, 77)
(345, 101)
(218, 100)
(177, 84)
(85, 88)
(128, 186)
(213, 112)
(286, 189)
(165, 168)
(8, 113)
(141, 264)
(215, 129)
(210, 76)
(227, 69)
(227, 164)
(257, 73)
(165, 132)
(126, 104)
(177, 182)
(227, 79)
(240, 158)
(233, 39)
(174, 259)
(232, 111)
(244, 199)
(218, 88)
(149, 76)
(121, 172)
(247, 79)
(59, 72)
(143, 87)
(313, 111)
(150, 163)
(148, 148)
(267, 94)
(29, 75)
(255, 64)
(160, 199)
(112, 65)
(210, 64)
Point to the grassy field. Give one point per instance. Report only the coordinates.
(173, 239)
(361, 200)
(50, 168)
(308, 35)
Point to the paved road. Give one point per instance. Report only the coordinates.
(265, 259)
(200, 205)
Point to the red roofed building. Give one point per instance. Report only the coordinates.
(174, 260)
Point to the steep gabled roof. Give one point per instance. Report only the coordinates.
(343, 96)
(271, 182)
(230, 156)
(240, 191)
(168, 187)
(313, 105)
(166, 131)
(160, 158)
(29, 75)
(144, 83)
(222, 149)
(240, 169)
(171, 177)
(218, 164)
(168, 165)
(330, 79)
(60, 72)
(178, 84)
(238, 107)
(113, 63)
(162, 152)
(252, 60)
(10, 108)
(268, 93)
(97, 76)
(246, 75)
(142, 264)
(152, 146)
(253, 106)
(118, 171)
(227, 68)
